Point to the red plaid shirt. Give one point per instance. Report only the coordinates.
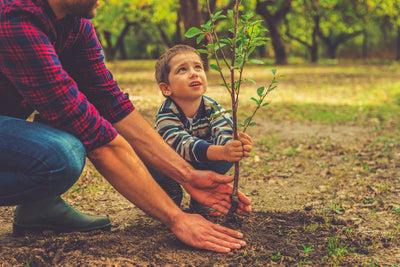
(57, 68)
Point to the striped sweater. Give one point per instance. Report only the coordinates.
(210, 126)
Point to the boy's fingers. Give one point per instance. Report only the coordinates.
(245, 137)
(247, 148)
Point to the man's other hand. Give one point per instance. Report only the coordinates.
(213, 190)
(194, 230)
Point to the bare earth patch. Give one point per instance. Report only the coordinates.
(322, 195)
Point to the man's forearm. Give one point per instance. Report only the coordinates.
(119, 164)
(151, 148)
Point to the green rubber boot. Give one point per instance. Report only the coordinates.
(56, 215)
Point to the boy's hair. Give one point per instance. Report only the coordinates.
(162, 65)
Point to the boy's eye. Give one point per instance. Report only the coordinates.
(198, 67)
(181, 69)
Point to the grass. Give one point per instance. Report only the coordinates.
(336, 208)
(276, 256)
(356, 94)
(335, 248)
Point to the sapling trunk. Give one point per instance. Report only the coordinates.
(246, 34)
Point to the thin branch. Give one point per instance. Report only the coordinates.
(270, 88)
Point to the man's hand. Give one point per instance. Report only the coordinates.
(194, 230)
(213, 190)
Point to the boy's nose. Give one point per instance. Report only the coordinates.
(193, 73)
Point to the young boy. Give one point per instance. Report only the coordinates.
(188, 123)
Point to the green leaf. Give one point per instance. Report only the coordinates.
(226, 41)
(214, 67)
(218, 16)
(200, 38)
(218, 46)
(250, 81)
(256, 100)
(257, 61)
(260, 91)
(192, 32)
(265, 104)
(246, 121)
(207, 25)
(273, 72)
(252, 123)
(230, 13)
(239, 62)
(202, 51)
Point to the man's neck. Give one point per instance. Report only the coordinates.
(189, 107)
(56, 7)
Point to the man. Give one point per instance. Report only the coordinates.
(51, 62)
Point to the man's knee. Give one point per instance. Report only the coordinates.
(69, 159)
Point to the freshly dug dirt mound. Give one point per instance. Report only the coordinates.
(272, 237)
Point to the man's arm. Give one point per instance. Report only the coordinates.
(119, 164)
(152, 149)
(209, 188)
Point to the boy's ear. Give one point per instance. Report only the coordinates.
(164, 89)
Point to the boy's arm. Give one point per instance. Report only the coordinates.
(191, 148)
(225, 148)
(221, 125)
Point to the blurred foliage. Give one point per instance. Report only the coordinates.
(347, 28)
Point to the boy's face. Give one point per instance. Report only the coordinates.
(187, 79)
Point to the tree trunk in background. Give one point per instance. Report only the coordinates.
(331, 50)
(178, 31)
(314, 41)
(111, 49)
(365, 44)
(333, 42)
(122, 51)
(189, 12)
(272, 21)
(398, 44)
(262, 51)
(277, 43)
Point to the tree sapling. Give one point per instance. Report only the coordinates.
(232, 52)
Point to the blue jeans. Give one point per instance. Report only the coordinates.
(36, 161)
(174, 190)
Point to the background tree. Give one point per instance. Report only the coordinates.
(390, 12)
(338, 24)
(302, 26)
(273, 12)
(138, 29)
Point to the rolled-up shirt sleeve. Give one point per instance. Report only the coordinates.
(93, 77)
(29, 60)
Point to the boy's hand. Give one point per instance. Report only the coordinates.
(247, 143)
(235, 150)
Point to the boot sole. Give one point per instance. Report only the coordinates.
(19, 230)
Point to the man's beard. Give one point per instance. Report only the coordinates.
(81, 8)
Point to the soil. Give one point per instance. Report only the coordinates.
(322, 195)
(275, 237)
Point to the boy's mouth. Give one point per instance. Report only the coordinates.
(194, 84)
